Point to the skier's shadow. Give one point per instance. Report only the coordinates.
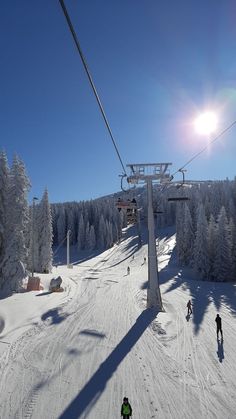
(220, 350)
(187, 317)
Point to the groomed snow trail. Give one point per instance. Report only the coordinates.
(99, 344)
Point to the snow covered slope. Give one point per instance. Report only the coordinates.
(77, 354)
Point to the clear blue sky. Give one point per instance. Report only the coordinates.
(155, 65)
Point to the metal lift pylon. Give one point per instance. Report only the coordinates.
(148, 173)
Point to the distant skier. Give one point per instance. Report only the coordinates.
(218, 326)
(128, 270)
(189, 305)
(144, 260)
(126, 409)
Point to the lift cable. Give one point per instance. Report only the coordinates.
(204, 149)
(91, 80)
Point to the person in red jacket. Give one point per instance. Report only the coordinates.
(126, 409)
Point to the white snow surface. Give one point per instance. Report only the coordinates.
(76, 354)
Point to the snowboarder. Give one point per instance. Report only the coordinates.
(128, 270)
(218, 326)
(189, 305)
(126, 409)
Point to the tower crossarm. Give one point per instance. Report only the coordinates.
(155, 171)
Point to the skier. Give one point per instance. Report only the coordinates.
(126, 409)
(218, 326)
(189, 305)
(144, 260)
(128, 270)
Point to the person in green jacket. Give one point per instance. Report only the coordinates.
(126, 409)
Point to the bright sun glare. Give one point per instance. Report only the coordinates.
(206, 123)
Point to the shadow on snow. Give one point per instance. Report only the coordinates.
(91, 392)
(202, 293)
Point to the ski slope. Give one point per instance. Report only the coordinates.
(76, 354)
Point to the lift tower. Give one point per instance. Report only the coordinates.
(149, 173)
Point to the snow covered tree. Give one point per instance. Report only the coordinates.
(87, 236)
(108, 236)
(102, 233)
(33, 257)
(4, 180)
(61, 224)
(188, 236)
(211, 241)
(180, 233)
(81, 233)
(201, 260)
(71, 223)
(44, 227)
(92, 238)
(222, 262)
(232, 232)
(13, 265)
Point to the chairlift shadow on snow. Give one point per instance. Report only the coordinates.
(144, 285)
(91, 392)
(92, 333)
(43, 293)
(55, 316)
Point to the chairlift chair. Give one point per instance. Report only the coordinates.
(130, 207)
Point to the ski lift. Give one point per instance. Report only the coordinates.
(130, 207)
(179, 198)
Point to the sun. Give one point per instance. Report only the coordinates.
(206, 123)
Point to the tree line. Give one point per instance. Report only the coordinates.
(206, 230)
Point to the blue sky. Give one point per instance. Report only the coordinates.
(156, 64)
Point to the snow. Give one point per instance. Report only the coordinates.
(76, 354)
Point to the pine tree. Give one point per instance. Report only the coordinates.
(102, 233)
(61, 224)
(232, 232)
(180, 233)
(71, 223)
(13, 266)
(92, 238)
(81, 233)
(201, 259)
(4, 181)
(188, 236)
(211, 241)
(222, 263)
(44, 228)
(33, 263)
(87, 236)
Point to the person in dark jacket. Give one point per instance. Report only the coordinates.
(189, 305)
(218, 326)
(126, 409)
